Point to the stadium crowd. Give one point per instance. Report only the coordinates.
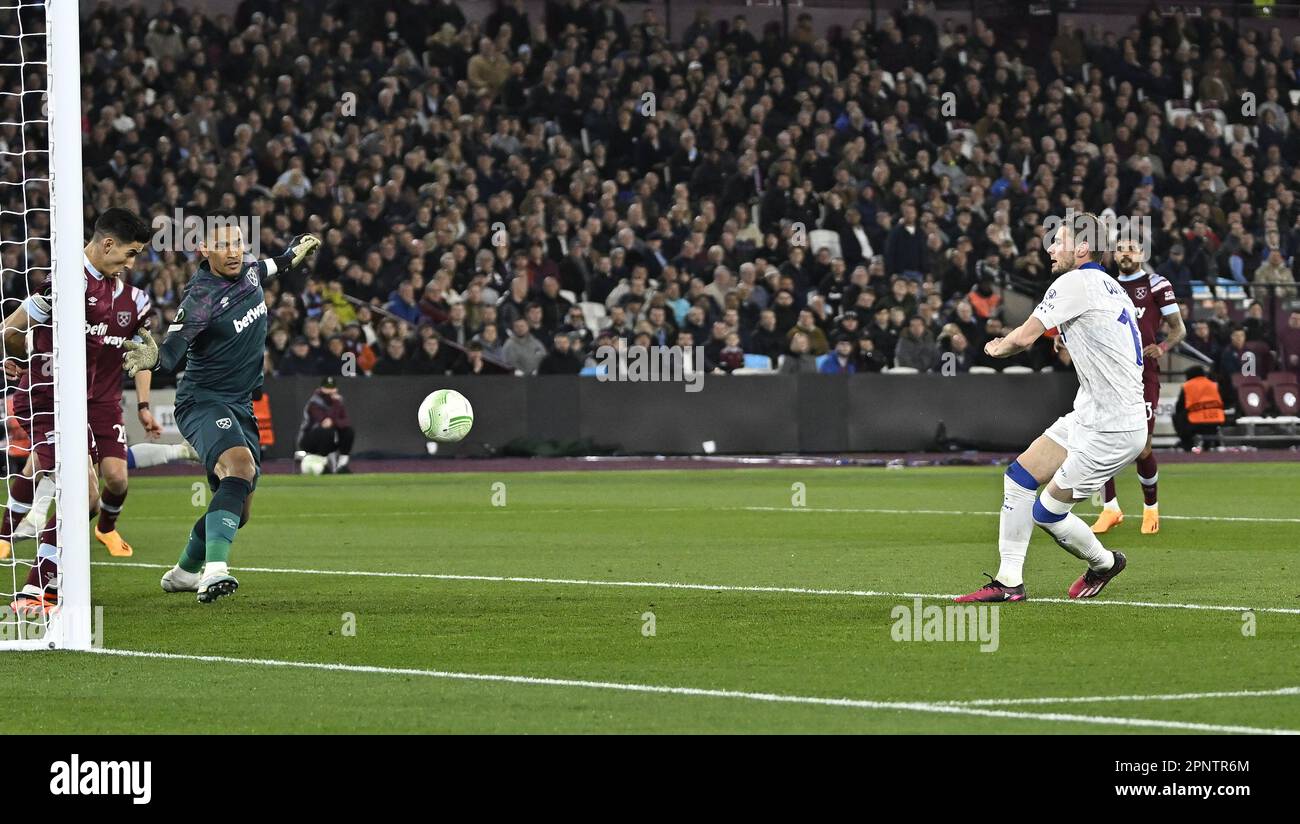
(521, 190)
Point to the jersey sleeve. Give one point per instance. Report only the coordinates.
(35, 313)
(1163, 295)
(1065, 300)
(191, 319)
(143, 310)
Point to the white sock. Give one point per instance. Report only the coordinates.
(333, 458)
(156, 454)
(343, 461)
(1149, 482)
(43, 500)
(1112, 504)
(215, 568)
(1071, 533)
(1015, 527)
(182, 576)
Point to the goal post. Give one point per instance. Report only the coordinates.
(42, 173)
(71, 628)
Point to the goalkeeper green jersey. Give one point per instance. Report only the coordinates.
(223, 321)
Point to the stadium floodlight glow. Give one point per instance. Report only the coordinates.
(68, 626)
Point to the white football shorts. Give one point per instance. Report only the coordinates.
(1092, 457)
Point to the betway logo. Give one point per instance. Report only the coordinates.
(77, 777)
(251, 315)
(97, 329)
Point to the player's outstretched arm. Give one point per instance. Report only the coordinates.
(1017, 341)
(300, 248)
(1177, 334)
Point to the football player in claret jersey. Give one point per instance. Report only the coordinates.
(127, 319)
(1107, 429)
(218, 337)
(119, 236)
(1153, 298)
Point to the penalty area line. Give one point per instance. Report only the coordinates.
(677, 585)
(699, 692)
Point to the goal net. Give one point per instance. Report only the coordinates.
(44, 573)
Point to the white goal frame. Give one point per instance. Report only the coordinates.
(69, 627)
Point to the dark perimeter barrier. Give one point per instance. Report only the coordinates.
(730, 415)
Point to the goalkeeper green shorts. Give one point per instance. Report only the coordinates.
(213, 426)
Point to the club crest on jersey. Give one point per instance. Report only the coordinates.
(124, 318)
(1140, 292)
(252, 276)
(223, 423)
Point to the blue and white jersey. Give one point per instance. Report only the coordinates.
(1098, 324)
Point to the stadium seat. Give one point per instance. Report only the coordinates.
(761, 363)
(825, 238)
(1252, 395)
(594, 314)
(901, 370)
(744, 370)
(1263, 357)
(1017, 370)
(983, 370)
(568, 295)
(1286, 393)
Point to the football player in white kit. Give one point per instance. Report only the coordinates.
(1106, 431)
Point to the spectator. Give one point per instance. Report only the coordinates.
(869, 358)
(562, 359)
(807, 326)
(300, 360)
(732, 355)
(326, 429)
(1257, 326)
(1176, 271)
(1203, 341)
(523, 352)
(432, 358)
(402, 303)
(394, 360)
(800, 358)
(1289, 342)
(1235, 360)
(957, 356)
(472, 363)
(916, 347)
(841, 361)
(1275, 273)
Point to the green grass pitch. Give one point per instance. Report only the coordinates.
(516, 591)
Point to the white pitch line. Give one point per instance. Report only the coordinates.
(854, 593)
(1104, 699)
(489, 511)
(872, 511)
(777, 698)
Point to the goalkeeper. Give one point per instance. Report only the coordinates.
(218, 337)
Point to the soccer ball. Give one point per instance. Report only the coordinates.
(446, 416)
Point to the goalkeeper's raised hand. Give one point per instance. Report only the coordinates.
(140, 355)
(300, 248)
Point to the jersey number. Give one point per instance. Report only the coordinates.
(1124, 317)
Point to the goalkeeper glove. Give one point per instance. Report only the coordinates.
(300, 248)
(140, 355)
